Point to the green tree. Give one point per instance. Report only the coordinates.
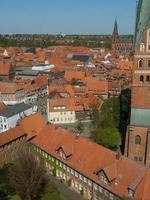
(106, 123)
(51, 193)
(73, 81)
(110, 113)
(5, 189)
(79, 126)
(108, 137)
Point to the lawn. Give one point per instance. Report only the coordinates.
(15, 197)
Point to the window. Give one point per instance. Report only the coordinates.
(100, 189)
(147, 78)
(95, 186)
(64, 166)
(142, 47)
(104, 179)
(131, 193)
(85, 180)
(80, 177)
(137, 139)
(111, 196)
(140, 63)
(89, 183)
(68, 169)
(72, 171)
(138, 158)
(57, 163)
(60, 164)
(62, 155)
(141, 78)
(148, 63)
(46, 155)
(76, 174)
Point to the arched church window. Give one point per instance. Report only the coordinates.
(137, 139)
(140, 64)
(142, 47)
(141, 78)
(147, 78)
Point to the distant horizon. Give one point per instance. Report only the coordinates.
(73, 34)
(67, 16)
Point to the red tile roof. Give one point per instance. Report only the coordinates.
(75, 104)
(11, 135)
(29, 126)
(96, 85)
(2, 106)
(61, 89)
(69, 75)
(124, 170)
(32, 124)
(10, 87)
(69, 104)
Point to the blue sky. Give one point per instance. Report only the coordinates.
(66, 16)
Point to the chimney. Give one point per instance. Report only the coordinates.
(118, 154)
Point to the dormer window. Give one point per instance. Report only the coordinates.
(64, 151)
(62, 155)
(130, 193)
(104, 179)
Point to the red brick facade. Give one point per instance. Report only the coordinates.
(137, 145)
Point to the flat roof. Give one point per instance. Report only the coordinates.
(9, 111)
(81, 58)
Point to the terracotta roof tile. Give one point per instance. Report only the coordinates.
(124, 170)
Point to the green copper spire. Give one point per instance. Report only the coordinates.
(142, 19)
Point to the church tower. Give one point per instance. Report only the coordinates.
(137, 145)
(115, 36)
(115, 31)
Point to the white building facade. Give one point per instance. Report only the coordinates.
(11, 114)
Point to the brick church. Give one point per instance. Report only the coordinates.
(137, 146)
(121, 44)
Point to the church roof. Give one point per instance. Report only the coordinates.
(142, 19)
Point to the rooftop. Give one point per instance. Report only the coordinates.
(14, 109)
(126, 172)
